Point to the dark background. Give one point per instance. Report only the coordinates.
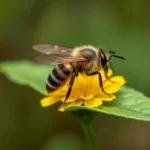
(120, 25)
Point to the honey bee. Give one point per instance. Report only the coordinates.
(70, 61)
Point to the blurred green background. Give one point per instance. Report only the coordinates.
(119, 25)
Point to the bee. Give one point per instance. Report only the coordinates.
(70, 61)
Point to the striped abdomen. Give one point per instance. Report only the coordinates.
(58, 75)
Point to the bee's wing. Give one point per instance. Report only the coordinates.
(52, 49)
(73, 59)
(51, 54)
(46, 59)
(56, 59)
(54, 54)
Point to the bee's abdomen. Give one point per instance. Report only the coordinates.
(58, 75)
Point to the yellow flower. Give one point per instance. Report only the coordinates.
(85, 91)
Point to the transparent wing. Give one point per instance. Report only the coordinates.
(46, 59)
(51, 54)
(55, 54)
(56, 59)
(50, 49)
(75, 59)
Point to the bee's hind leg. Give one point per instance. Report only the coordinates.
(100, 80)
(74, 74)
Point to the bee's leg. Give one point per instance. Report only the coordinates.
(70, 87)
(100, 80)
(74, 74)
(106, 74)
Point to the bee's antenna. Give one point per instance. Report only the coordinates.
(116, 57)
(112, 52)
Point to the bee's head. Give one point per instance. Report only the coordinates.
(104, 59)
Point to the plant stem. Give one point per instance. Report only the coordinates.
(85, 118)
(88, 131)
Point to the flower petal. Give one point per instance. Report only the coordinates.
(94, 102)
(92, 85)
(114, 86)
(108, 74)
(70, 99)
(92, 82)
(119, 80)
(59, 92)
(79, 86)
(104, 97)
(74, 103)
(49, 100)
(87, 97)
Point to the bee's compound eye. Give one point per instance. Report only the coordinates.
(103, 59)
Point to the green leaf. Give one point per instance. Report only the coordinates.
(27, 73)
(129, 103)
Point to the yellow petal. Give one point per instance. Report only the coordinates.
(70, 99)
(112, 89)
(94, 102)
(104, 97)
(49, 100)
(75, 103)
(92, 82)
(119, 80)
(78, 86)
(87, 97)
(108, 74)
(114, 86)
(59, 92)
(92, 85)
